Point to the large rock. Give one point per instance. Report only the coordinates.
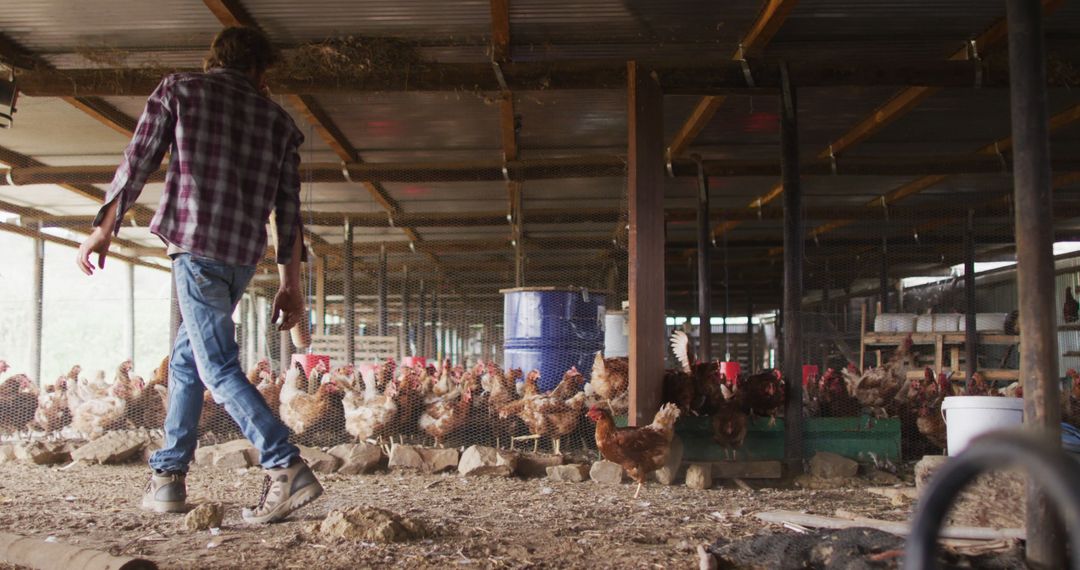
(994, 499)
(369, 524)
(537, 464)
(113, 447)
(669, 473)
(318, 460)
(699, 476)
(235, 454)
(357, 458)
(826, 465)
(43, 452)
(156, 442)
(204, 517)
(573, 473)
(431, 460)
(482, 460)
(607, 473)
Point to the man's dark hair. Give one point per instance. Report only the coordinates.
(241, 48)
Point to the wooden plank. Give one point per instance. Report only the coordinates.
(230, 13)
(991, 374)
(939, 353)
(954, 358)
(500, 30)
(699, 117)
(747, 470)
(104, 113)
(646, 242)
(897, 528)
(320, 294)
(950, 338)
(327, 130)
(862, 334)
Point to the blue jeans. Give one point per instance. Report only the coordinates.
(205, 348)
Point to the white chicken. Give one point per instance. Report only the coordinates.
(95, 415)
(367, 413)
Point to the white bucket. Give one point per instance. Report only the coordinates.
(616, 334)
(969, 417)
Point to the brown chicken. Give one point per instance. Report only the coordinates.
(1071, 412)
(300, 410)
(764, 394)
(639, 450)
(547, 414)
(729, 423)
(980, 386)
(502, 392)
(147, 408)
(572, 382)
(443, 415)
(53, 413)
(19, 403)
(695, 386)
(876, 388)
(1071, 308)
(610, 380)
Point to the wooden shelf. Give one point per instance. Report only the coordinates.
(930, 339)
(1069, 327)
(991, 374)
(1071, 354)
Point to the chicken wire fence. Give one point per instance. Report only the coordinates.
(450, 269)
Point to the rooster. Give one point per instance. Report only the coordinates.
(368, 413)
(300, 410)
(729, 422)
(639, 450)
(1071, 309)
(610, 381)
(695, 386)
(18, 402)
(765, 395)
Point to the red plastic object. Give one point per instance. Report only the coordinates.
(731, 371)
(308, 361)
(809, 371)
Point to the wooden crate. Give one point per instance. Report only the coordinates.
(367, 349)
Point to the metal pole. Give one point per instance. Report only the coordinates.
(971, 337)
(421, 323)
(1035, 263)
(320, 295)
(38, 293)
(350, 295)
(406, 349)
(384, 325)
(129, 324)
(519, 235)
(750, 364)
(793, 278)
(436, 329)
(704, 265)
(884, 277)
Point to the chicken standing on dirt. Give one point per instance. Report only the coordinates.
(97, 414)
(18, 404)
(729, 422)
(501, 393)
(639, 450)
(368, 413)
(52, 412)
(546, 414)
(443, 415)
(610, 381)
(147, 408)
(300, 410)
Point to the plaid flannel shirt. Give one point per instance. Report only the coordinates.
(234, 158)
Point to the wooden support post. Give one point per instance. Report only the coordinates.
(384, 325)
(129, 316)
(436, 328)
(284, 350)
(262, 324)
(320, 294)
(971, 335)
(38, 292)
(793, 278)
(350, 295)
(421, 323)
(519, 233)
(406, 348)
(1035, 262)
(704, 268)
(645, 168)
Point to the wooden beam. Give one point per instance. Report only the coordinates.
(104, 113)
(329, 132)
(772, 16)
(646, 269)
(500, 30)
(230, 13)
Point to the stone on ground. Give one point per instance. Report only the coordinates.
(537, 464)
(156, 442)
(669, 473)
(204, 517)
(699, 476)
(370, 524)
(113, 447)
(826, 465)
(483, 460)
(7, 453)
(607, 473)
(235, 454)
(318, 460)
(430, 460)
(42, 452)
(357, 458)
(573, 473)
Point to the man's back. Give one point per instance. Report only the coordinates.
(234, 159)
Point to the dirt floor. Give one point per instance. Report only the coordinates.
(478, 522)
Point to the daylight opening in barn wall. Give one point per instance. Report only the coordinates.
(622, 284)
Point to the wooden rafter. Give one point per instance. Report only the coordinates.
(896, 107)
(500, 30)
(768, 22)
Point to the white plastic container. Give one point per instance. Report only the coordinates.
(937, 323)
(968, 417)
(895, 322)
(986, 322)
(616, 334)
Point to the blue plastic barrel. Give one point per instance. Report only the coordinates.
(550, 329)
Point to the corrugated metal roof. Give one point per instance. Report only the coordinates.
(39, 123)
(289, 21)
(571, 119)
(49, 26)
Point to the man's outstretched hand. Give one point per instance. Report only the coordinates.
(289, 305)
(97, 242)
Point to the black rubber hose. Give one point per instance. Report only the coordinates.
(1047, 464)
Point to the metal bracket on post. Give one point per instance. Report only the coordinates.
(885, 207)
(759, 215)
(832, 161)
(345, 172)
(1001, 158)
(973, 56)
(499, 77)
(740, 56)
(667, 163)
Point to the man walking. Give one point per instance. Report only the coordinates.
(234, 157)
